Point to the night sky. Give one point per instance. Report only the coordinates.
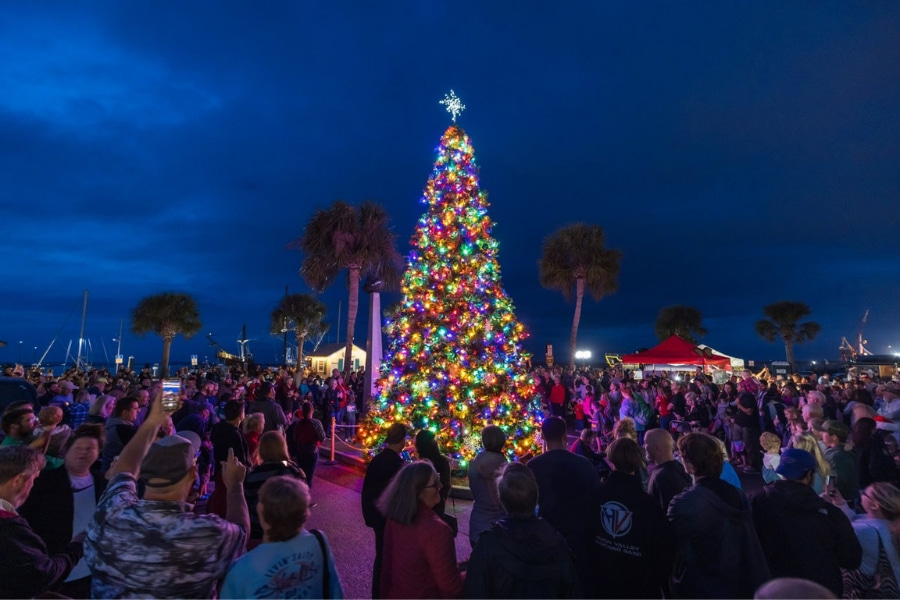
(737, 153)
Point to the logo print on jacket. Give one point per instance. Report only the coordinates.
(616, 519)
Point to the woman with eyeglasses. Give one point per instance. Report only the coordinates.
(419, 551)
(879, 525)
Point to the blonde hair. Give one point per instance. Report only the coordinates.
(254, 422)
(807, 441)
(625, 428)
(888, 498)
(769, 441)
(722, 448)
(100, 406)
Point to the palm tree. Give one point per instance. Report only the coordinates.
(166, 315)
(575, 258)
(783, 323)
(345, 237)
(683, 321)
(302, 313)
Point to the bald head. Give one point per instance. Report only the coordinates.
(660, 446)
(791, 587)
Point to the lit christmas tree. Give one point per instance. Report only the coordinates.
(454, 361)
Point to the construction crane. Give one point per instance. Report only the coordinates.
(848, 351)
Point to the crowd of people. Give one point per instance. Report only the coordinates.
(124, 498)
(106, 494)
(647, 502)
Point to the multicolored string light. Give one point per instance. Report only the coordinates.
(454, 361)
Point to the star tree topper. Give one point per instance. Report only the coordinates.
(454, 105)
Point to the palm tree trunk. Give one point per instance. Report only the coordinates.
(167, 347)
(352, 308)
(579, 294)
(301, 339)
(789, 351)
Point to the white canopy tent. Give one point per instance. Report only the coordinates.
(736, 363)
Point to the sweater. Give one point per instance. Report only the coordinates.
(420, 559)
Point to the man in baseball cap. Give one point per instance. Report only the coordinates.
(803, 535)
(180, 554)
(170, 460)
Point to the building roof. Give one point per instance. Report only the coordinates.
(328, 349)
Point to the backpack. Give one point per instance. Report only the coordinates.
(304, 436)
(643, 412)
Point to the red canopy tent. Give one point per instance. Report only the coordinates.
(676, 352)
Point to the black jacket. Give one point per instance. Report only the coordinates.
(718, 554)
(804, 536)
(50, 507)
(667, 481)
(255, 479)
(225, 436)
(380, 472)
(634, 544)
(521, 558)
(27, 569)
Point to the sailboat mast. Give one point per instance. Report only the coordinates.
(81, 335)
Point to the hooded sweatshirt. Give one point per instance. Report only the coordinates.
(718, 554)
(486, 507)
(522, 558)
(804, 536)
(634, 544)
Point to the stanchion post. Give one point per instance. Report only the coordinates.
(333, 427)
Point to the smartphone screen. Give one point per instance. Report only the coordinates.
(831, 483)
(170, 393)
(405, 456)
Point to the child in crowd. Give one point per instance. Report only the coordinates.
(579, 416)
(736, 444)
(771, 443)
(50, 418)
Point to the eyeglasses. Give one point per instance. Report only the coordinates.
(436, 485)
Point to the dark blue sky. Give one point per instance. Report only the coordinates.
(737, 153)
